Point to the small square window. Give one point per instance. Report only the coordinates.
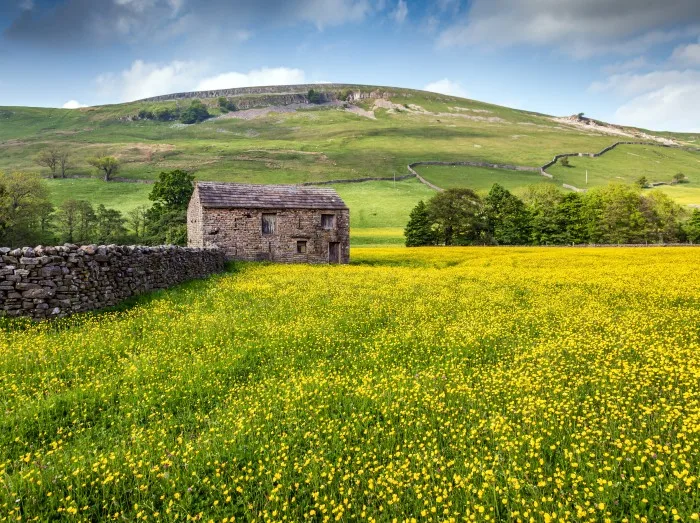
(268, 223)
(328, 221)
(301, 247)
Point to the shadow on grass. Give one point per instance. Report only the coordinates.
(78, 319)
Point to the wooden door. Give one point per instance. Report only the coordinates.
(333, 252)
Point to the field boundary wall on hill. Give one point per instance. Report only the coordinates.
(542, 170)
(52, 282)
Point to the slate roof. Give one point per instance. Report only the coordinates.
(216, 195)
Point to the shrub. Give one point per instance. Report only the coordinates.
(226, 105)
(195, 113)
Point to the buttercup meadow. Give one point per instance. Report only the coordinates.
(464, 384)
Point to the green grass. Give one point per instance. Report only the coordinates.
(377, 237)
(121, 196)
(627, 163)
(431, 383)
(480, 179)
(382, 204)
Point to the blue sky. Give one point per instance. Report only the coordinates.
(635, 62)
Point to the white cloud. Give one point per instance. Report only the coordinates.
(670, 108)
(658, 100)
(581, 28)
(628, 65)
(687, 54)
(325, 13)
(264, 76)
(400, 13)
(73, 104)
(446, 86)
(26, 5)
(634, 84)
(144, 79)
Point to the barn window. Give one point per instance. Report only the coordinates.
(328, 221)
(301, 247)
(268, 223)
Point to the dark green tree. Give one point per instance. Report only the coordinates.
(458, 218)
(76, 221)
(173, 188)
(109, 226)
(315, 97)
(642, 182)
(226, 105)
(571, 220)
(663, 217)
(692, 227)
(419, 230)
(679, 178)
(166, 220)
(615, 215)
(543, 200)
(508, 218)
(195, 113)
(166, 114)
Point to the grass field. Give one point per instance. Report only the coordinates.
(486, 384)
(121, 196)
(480, 179)
(327, 143)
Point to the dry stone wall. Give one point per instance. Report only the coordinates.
(51, 282)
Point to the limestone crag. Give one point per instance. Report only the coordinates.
(51, 282)
(241, 95)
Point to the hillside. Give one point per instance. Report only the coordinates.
(275, 136)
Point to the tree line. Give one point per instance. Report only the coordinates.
(27, 216)
(59, 161)
(613, 214)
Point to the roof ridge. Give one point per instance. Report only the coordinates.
(267, 196)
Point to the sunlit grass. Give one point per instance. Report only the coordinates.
(501, 384)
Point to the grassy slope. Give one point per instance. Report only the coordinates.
(480, 179)
(323, 143)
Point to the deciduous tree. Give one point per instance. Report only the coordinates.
(106, 166)
(508, 218)
(419, 231)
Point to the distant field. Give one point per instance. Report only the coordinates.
(480, 179)
(625, 164)
(322, 143)
(121, 196)
(487, 384)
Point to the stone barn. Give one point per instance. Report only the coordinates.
(282, 223)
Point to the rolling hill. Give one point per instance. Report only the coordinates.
(353, 132)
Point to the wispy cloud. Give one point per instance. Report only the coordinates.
(144, 79)
(579, 28)
(73, 22)
(400, 13)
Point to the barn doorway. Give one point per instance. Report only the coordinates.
(333, 252)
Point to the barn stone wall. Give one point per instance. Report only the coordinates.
(50, 282)
(239, 233)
